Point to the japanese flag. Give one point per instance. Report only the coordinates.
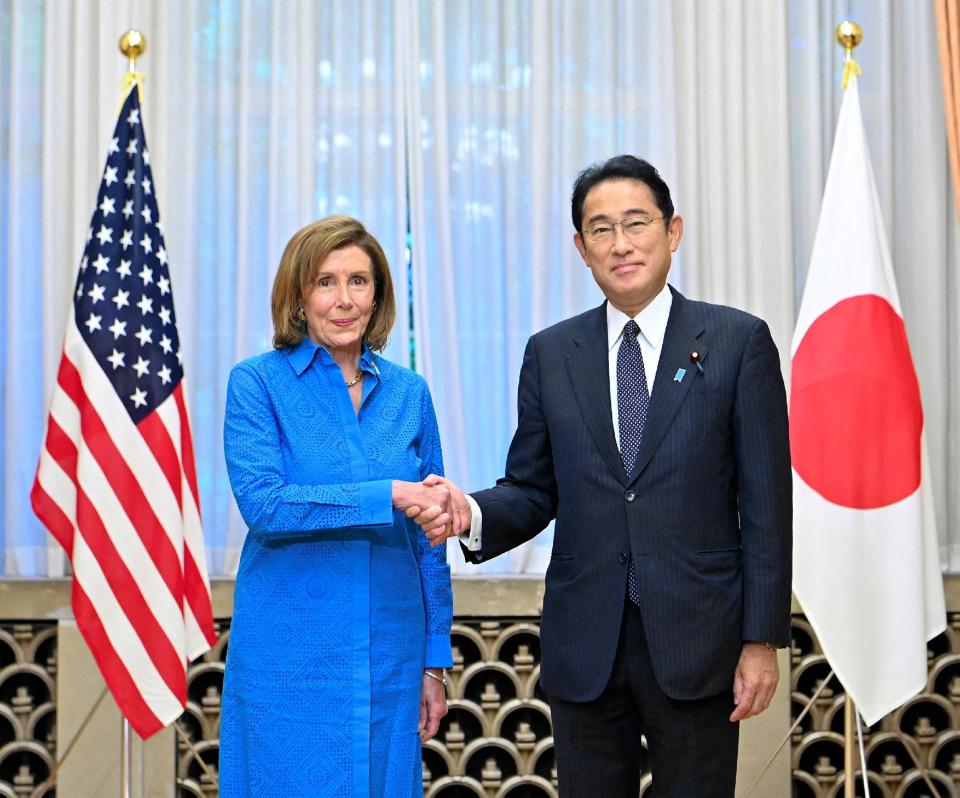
(866, 568)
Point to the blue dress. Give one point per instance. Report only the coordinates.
(340, 602)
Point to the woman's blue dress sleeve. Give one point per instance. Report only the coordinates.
(270, 505)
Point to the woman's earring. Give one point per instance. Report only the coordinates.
(301, 316)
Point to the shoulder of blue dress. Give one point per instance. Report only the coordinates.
(262, 362)
(388, 370)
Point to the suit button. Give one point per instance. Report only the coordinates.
(623, 558)
(629, 495)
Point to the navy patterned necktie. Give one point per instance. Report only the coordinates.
(633, 399)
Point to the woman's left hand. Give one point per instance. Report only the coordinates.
(433, 704)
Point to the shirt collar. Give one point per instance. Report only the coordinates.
(368, 361)
(652, 320)
(303, 354)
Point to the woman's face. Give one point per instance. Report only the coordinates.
(339, 304)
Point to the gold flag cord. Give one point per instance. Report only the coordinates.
(787, 736)
(131, 79)
(51, 780)
(208, 771)
(851, 68)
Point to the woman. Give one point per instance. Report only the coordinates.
(341, 623)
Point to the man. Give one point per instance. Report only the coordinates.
(654, 430)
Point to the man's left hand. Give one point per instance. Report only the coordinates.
(754, 681)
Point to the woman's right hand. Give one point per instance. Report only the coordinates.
(461, 515)
(426, 502)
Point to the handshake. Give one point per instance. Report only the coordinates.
(436, 505)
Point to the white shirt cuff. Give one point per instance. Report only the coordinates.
(473, 538)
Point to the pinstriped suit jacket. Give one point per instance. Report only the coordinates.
(706, 514)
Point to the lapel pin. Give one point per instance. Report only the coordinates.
(695, 359)
(678, 377)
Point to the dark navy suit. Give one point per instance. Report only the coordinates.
(706, 513)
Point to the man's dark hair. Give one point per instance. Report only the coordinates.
(620, 167)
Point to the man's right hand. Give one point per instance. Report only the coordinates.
(436, 527)
(432, 502)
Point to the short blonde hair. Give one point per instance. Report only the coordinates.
(300, 265)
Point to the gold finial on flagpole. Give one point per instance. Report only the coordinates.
(849, 35)
(133, 44)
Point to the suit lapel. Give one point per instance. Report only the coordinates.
(680, 339)
(587, 365)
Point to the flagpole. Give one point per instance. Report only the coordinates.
(124, 757)
(849, 35)
(849, 749)
(132, 45)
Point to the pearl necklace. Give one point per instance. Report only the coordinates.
(355, 380)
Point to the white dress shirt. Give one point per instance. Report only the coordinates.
(652, 321)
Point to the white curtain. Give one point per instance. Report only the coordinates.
(260, 117)
(515, 99)
(466, 123)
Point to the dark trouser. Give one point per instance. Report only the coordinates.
(692, 744)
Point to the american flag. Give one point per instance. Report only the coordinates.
(116, 484)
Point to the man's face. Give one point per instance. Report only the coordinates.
(630, 266)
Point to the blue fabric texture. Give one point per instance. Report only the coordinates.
(340, 602)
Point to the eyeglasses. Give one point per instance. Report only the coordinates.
(634, 227)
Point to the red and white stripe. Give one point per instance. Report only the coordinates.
(122, 500)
